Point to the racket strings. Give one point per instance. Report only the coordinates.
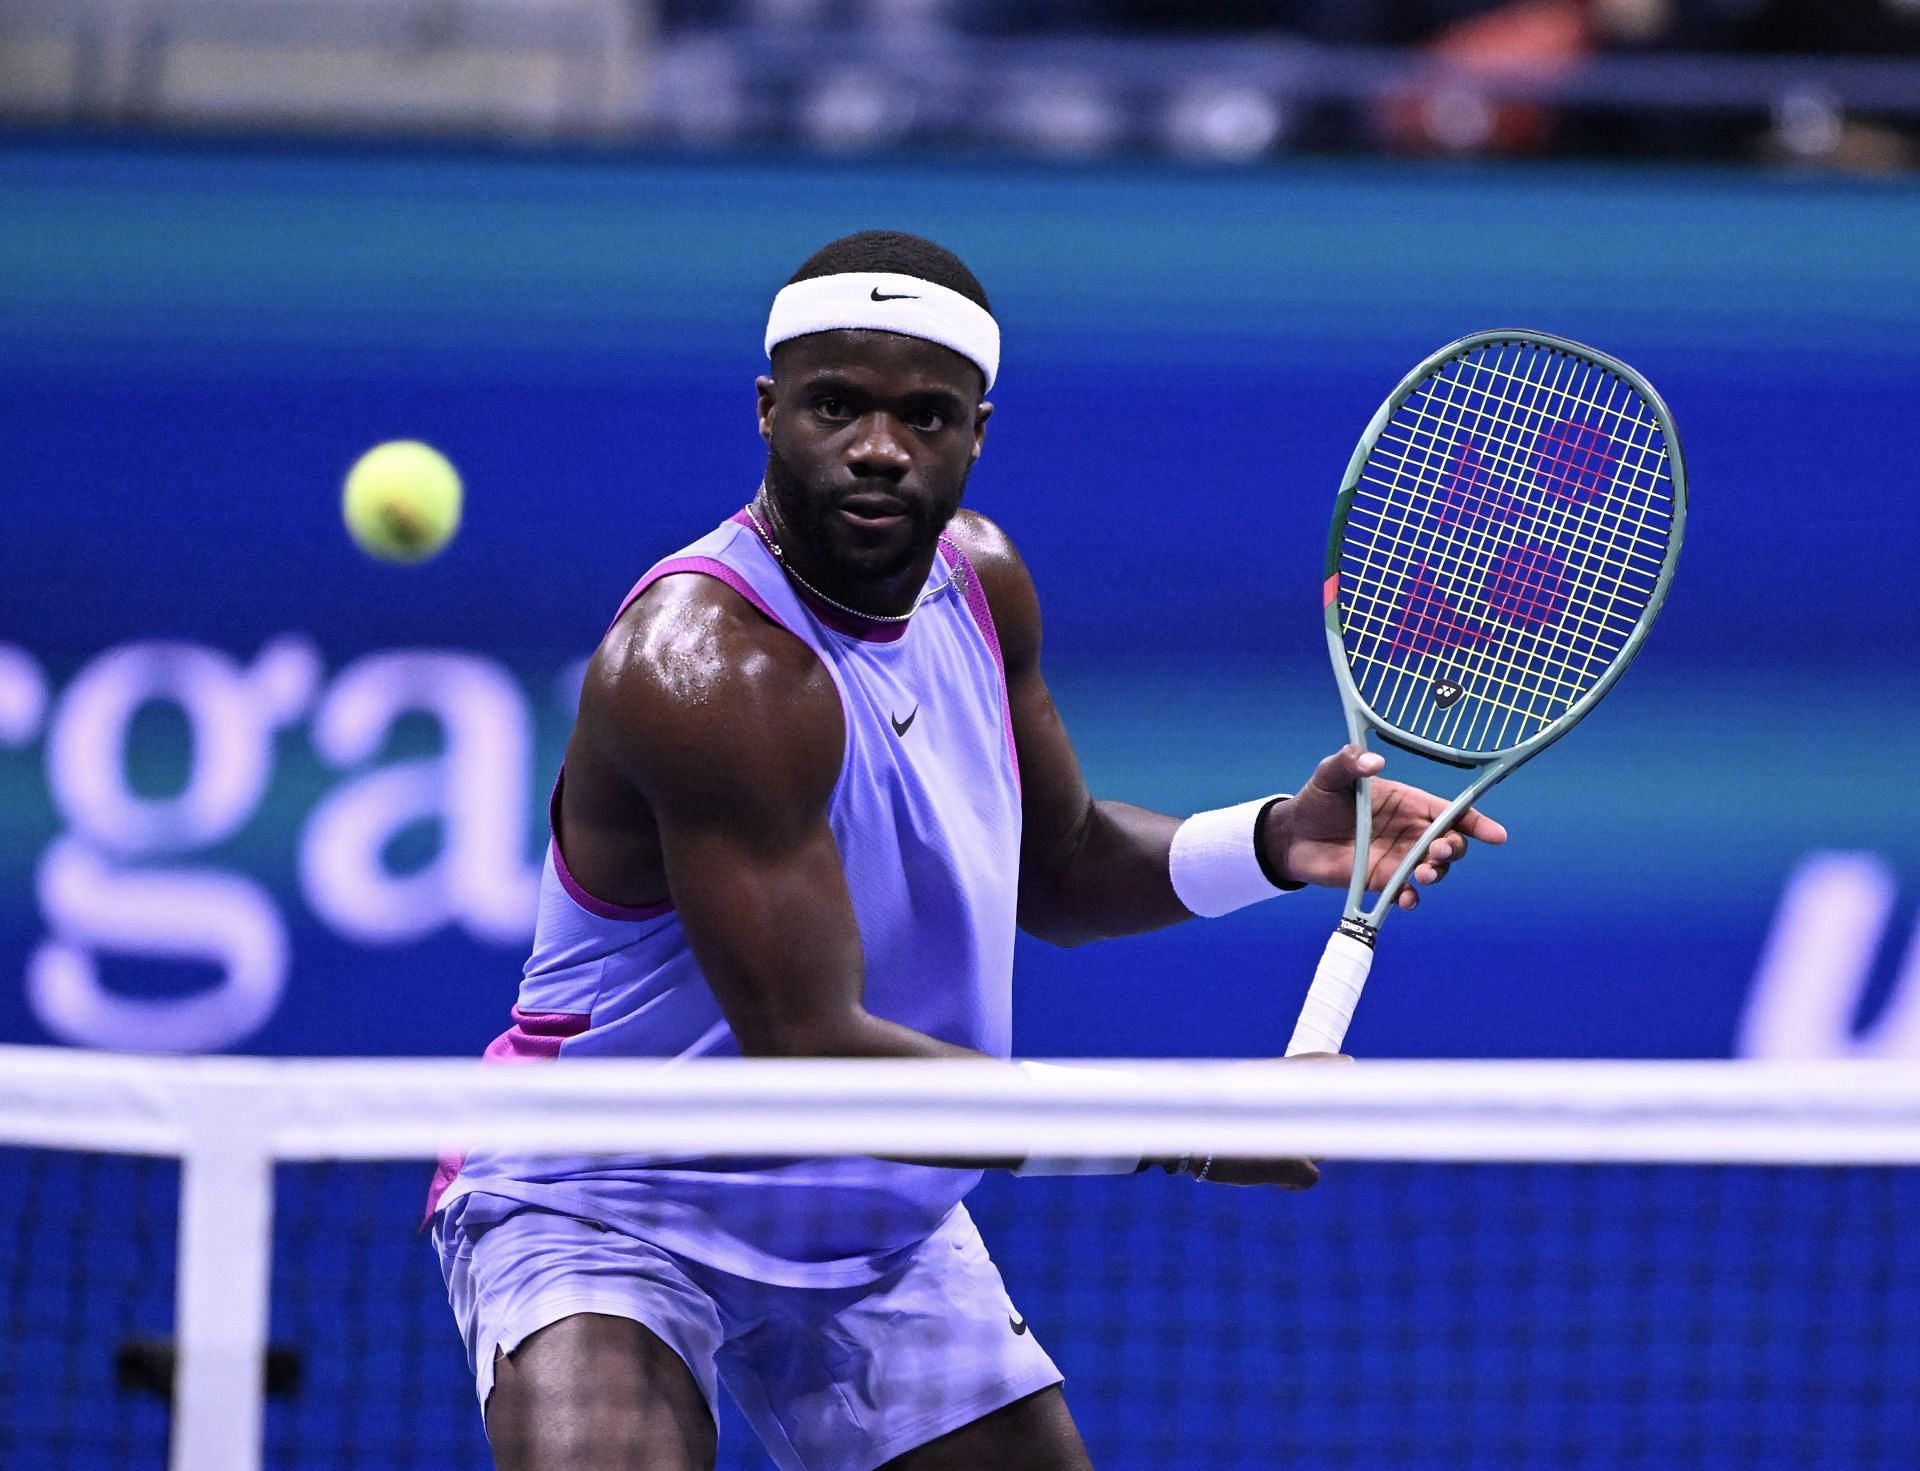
(1498, 500)
(1504, 541)
(1524, 585)
(1541, 589)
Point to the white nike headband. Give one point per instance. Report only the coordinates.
(882, 301)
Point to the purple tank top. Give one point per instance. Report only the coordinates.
(926, 813)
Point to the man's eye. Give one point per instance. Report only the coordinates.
(927, 421)
(832, 408)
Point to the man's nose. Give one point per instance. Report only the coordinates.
(877, 449)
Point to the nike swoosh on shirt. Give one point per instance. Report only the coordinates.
(900, 727)
(1017, 1323)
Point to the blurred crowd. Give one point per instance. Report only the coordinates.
(1486, 77)
(1829, 83)
(1799, 27)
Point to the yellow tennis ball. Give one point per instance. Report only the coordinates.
(402, 501)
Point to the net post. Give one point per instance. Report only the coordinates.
(221, 1302)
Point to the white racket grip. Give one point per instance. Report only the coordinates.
(1332, 996)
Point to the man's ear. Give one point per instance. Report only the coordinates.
(980, 417)
(763, 386)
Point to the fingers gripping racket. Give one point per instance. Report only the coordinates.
(1504, 538)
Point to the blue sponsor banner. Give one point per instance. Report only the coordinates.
(260, 794)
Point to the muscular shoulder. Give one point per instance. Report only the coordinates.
(699, 699)
(1007, 583)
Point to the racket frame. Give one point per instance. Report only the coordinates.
(1492, 768)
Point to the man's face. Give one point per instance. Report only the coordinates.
(870, 437)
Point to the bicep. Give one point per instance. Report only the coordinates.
(732, 732)
(771, 922)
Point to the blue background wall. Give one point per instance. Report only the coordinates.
(195, 345)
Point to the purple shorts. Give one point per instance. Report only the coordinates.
(831, 1379)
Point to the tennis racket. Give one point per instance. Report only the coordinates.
(1503, 540)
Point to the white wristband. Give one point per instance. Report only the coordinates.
(1215, 862)
(1043, 1074)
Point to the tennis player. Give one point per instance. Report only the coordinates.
(815, 783)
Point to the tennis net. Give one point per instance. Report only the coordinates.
(214, 1264)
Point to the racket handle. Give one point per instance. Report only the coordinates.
(1333, 995)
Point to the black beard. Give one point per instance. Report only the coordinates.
(806, 517)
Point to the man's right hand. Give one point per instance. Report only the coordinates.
(1288, 1174)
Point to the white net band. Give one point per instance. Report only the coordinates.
(1706, 1112)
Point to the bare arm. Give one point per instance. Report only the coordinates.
(731, 731)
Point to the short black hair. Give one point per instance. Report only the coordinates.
(897, 252)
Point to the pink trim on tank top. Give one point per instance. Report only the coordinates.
(535, 1036)
(708, 566)
(976, 596)
(599, 907)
